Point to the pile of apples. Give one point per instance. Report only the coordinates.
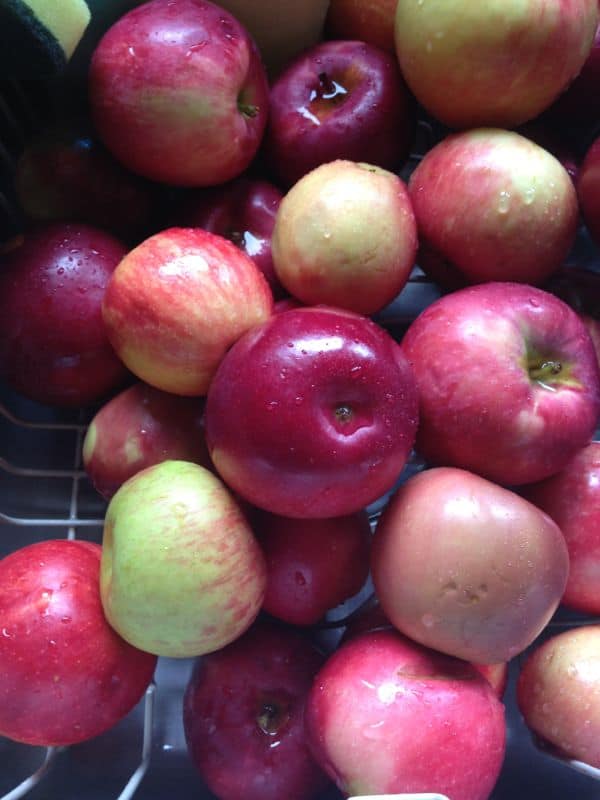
(206, 267)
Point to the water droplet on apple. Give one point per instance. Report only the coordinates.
(504, 202)
(428, 620)
(66, 619)
(298, 400)
(6, 633)
(272, 405)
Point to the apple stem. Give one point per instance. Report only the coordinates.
(545, 370)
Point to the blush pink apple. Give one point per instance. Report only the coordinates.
(178, 92)
(177, 302)
(371, 21)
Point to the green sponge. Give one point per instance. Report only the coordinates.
(38, 37)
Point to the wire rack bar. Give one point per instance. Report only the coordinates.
(32, 781)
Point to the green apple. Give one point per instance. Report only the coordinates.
(181, 573)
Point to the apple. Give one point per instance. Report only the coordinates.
(243, 716)
(54, 347)
(339, 99)
(181, 574)
(242, 211)
(494, 205)
(578, 104)
(588, 189)
(313, 565)
(65, 675)
(496, 63)
(572, 499)
(139, 427)
(178, 92)
(177, 302)
(580, 288)
(371, 21)
(508, 382)
(467, 567)
(345, 235)
(386, 716)
(312, 414)
(558, 691)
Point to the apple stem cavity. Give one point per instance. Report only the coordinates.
(344, 414)
(247, 109)
(544, 371)
(271, 717)
(329, 89)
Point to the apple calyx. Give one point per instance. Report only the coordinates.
(272, 716)
(246, 108)
(545, 371)
(343, 414)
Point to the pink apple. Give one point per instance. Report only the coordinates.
(65, 675)
(497, 63)
(312, 414)
(572, 499)
(495, 206)
(467, 567)
(177, 302)
(243, 717)
(178, 92)
(588, 189)
(343, 99)
(558, 691)
(313, 565)
(371, 21)
(54, 346)
(386, 716)
(508, 382)
(138, 428)
(345, 235)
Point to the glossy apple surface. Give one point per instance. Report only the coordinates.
(340, 99)
(178, 93)
(243, 716)
(467, 567)
(345, 235)
(494, 205)
(177, 302)
(558, 692)
(313, 565)
(386, 716)
(508, 382)
(312, 414)
(140, 427)
(588, 189)
(65, 675)
(572, 499)
(54, 346)
(181, 573)
(516, 57)
(371, 21)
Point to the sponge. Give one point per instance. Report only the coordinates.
(38, 37)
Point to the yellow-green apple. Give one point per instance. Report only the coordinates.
(497, 63)
(493, 205)
(339, 99)
(558, 692)
(371, 21)
(345, 235)
(312, 414)
(243, 716)
(572, 499)
(177, 302)
(139, 427)
(508, 381)
(182, 574)
(386, 716)
(313, 565)
(588, 189)
(467, 567)
(65, 675)
(54, 346)
(178, 92)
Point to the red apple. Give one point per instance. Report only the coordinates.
(178, 92)
(558, 692)
(177, 302)
(580, 288)
(371, 21)
(312, 414)
(65, 675)
(138, 428)
(338, 100)
(588, 189)
(467, 567)
(572, 499)
(312, 565)
(508, 382)
(243, 717)
(497, 63)
(345, 235)
(494, 205)
(386, 716)
(54, 347)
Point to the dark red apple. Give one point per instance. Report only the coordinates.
(54, 346)
(339, 99)
(65, 675)
(312, 414)
(579, 104)
(588, 189)
(370, 21)
(243, 716)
